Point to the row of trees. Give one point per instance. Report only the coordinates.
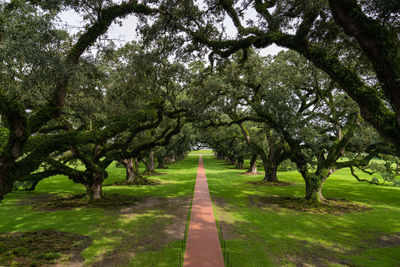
(62, 106)
(63, 102)
(283, 108)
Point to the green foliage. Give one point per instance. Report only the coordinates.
(388, 169)
(4, 135)
(354, 42)
(287, 165)
(49, 256)
(31, 50)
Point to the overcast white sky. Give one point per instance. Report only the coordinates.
(126, 32)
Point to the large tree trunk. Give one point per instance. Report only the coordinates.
(313, 187)
(94, 189)
(180, 156)
(321, 197)
(161, 163)
(152, 166)
(5, 185)
(137, 166)
(253, 165)
(130, 170)
(147, 164)
(270, 172)
(5, 182)
(240, 163)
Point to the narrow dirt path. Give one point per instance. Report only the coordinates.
(203, 247)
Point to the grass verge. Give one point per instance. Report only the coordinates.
(133, 226)
(269, 234)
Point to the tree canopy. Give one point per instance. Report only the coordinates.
(68, 100)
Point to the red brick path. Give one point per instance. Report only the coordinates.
(203, 248)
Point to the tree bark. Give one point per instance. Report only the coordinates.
(253, 165)
(240, 163)
(152, 167)
(313, 187)
(147, 164)
(5, 183)
(130, 170)
(270, 172)
(94, 189)
(161, 163)
(321, 197)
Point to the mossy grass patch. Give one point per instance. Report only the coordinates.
(329, 206)
(138, 181)
(42, 247)
(109, 201)
(154, 173)
(267, 183)
(251, 173)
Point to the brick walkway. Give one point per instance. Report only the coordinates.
(203, 248)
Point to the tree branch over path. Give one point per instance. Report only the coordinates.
(22, 126)
(381, 108)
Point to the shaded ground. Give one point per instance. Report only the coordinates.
(305, 253)
(155, 173)
(138, 181)
(168, 224)
(140, 219)
(224, 219)
(266, 183)
(317, 254)
(49, 202)
(332, 206)
(251, 173)
(150, 237)
(42, 247)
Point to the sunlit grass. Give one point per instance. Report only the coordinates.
(202, 151)
(271, 236)
(100, 225)
(258, 236)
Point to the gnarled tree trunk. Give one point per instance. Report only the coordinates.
(253, 165)
(152, 167)
(315, 182)
(161, 163)
(130, 170)
(147, 164)
(94, 188)
(240, 163)
(270, 172)
(5, 183)
(313, 187)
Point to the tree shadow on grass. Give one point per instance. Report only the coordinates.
(305, 246)
(150, 226)
(42, 247)
(330, 206)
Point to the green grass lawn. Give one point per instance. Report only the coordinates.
(272, 236)
(150, 233)
(201, 151)
(133, 237)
